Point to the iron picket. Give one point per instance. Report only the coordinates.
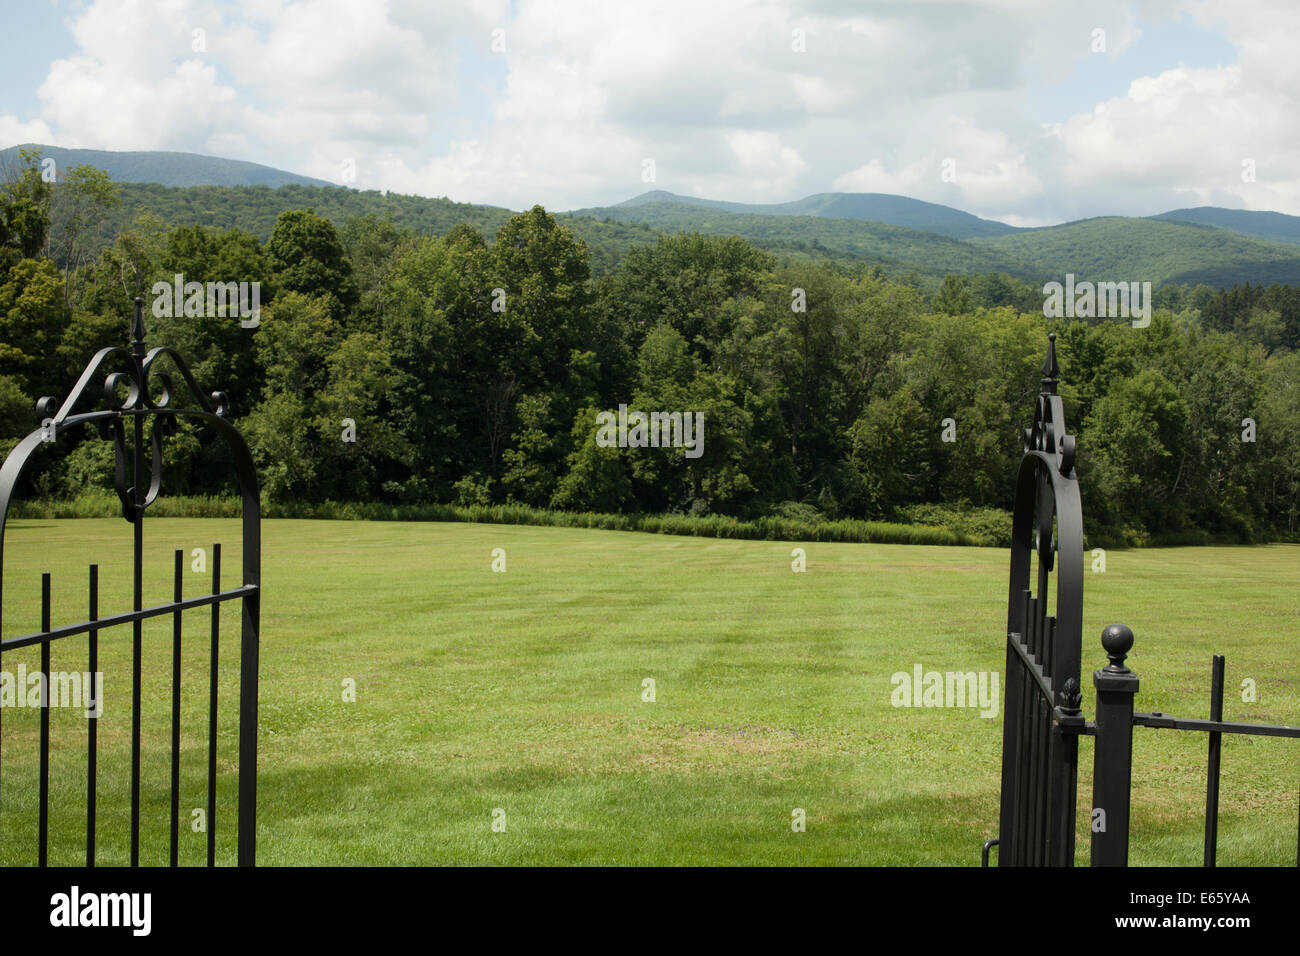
(92, 718)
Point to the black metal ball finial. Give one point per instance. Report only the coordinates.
(1118, 641)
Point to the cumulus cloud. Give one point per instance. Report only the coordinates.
(14, 131)
(1185, 137)
(564, 102)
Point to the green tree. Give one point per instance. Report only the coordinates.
(32, 319)
(953, 297)
(80, 206)
(361, 445)
(1134, 444)
(306, 256)
(372, 246)
(24, 211)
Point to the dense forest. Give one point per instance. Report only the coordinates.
(403, 364)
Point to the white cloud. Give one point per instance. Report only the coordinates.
(138, 82)
(717, 94)
(1181, 137)
(970, 167)
(14, 131)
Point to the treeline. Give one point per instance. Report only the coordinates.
(406, 369)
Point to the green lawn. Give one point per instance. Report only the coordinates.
(522, 691)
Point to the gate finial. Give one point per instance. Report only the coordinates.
(1051, 371)
(137, 327)
(1118, 641)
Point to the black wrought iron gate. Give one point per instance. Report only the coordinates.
(1042, 717)
(140, 370)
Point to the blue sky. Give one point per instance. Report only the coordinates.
(1006, 108)
(1158, 47)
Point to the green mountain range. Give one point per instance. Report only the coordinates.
(167, 169)
(850, 239)
(873, 207)
(1274, 226)
(1211, 245)
(1116, 248)
(1113, 248)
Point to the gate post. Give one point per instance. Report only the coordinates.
(1113, 755)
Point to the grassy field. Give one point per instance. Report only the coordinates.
(523, 692)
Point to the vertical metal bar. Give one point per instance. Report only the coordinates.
(92, 720)
(177, 596)
(1010, 755)
(1212, 772)
(1065, 774)
(1015, 856)
(212, 708)
(1065, 791)
(1028, 690)
(1052, 753)
(1036, 737)
(1051, 843)
(44, 812)
(248, 662)
(1044, 777)
(1046, 732)
(137, 638)
(1113, 755)
(1036, 821)
(137, 521)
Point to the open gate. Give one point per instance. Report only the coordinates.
(1041, 716)
(137, 480)
(1042, 719)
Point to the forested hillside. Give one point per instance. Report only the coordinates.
(1273, 226)
(402, 363)
(1119, 249)
(874, 207)
(894, 247)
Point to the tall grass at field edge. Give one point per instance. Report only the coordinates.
(927, 524)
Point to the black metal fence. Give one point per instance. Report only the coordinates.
(139, 406)
(1042, 719)
(1113, 756)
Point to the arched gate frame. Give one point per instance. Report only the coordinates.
(1041, 714)
(139, 370)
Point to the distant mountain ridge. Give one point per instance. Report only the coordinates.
(904, 236)
(1119, 248)
(860, 240)
(164, 168)
(1273, 226)
(872, 207)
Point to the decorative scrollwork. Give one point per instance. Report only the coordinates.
(1048, 434)
(111, 398)
(139, 374)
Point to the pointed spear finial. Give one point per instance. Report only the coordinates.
(1051, 371)
(137, 327)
